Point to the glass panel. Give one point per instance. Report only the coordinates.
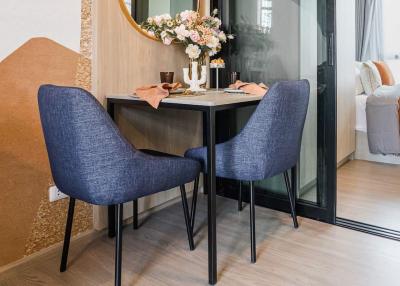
(281, 40)
(311, 41)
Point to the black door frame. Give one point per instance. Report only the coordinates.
(325, 208)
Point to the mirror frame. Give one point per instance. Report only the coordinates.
(136, 25)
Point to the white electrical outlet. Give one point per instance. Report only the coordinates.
(55, 194)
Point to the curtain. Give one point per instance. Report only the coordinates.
(369, 30)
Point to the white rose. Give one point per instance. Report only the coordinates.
(181, 32)
(213, 43)
(222, 36)
(217, 22)
(193, 51)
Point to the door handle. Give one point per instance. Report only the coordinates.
(331, 49)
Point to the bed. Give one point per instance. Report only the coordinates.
(382, 111)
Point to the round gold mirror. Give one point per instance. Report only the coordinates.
(138, 11)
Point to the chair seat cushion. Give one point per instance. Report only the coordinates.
(142, 175)
(160, 172)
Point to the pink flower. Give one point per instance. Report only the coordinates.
(165, 38)
(167, 41)
(194, 36)
(188, 15)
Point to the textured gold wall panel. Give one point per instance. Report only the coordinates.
(29, 222)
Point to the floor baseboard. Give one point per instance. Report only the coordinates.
(90, 234)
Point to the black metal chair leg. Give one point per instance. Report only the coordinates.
(240, 203)
(111, 221)
(135, 215)
(118, 245)
(292, 199)
(194, 203)
(205, 184)
(187, 218)
(252, 224)
(67, 235)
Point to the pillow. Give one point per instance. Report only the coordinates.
(385, 73)
(359, 87)
(370, 77)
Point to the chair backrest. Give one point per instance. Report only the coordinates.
(274, 131)
(84, 146)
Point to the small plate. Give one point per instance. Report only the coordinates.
(217, 66)
(177, 91)
(232, 90)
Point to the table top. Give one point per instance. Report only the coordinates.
(208, 98)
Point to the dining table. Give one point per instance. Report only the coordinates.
(209, 103)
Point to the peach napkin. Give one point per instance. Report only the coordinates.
(250, 87)
(153, 94)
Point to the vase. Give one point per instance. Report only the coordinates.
(191, 77)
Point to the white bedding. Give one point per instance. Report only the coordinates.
(361, 103)
(386, 90)
(361, 116)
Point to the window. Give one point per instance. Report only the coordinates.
(265, 19)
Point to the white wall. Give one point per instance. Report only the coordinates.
(346, 49)
(21, 20)
(391, 28)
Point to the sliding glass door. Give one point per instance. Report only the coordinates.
(288, 40)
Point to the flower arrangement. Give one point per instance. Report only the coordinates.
(199, 35)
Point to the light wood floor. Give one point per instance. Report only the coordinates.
(157, 254)
(369, 192)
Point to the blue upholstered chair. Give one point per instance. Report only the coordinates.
(268, 145)
(91, 161)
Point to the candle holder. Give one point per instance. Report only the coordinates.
(194, 81)
(217, 66)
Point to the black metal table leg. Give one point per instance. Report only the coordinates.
(118, 246)
(205, 134)
(211, 198)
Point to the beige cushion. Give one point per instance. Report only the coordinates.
(370, 77)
